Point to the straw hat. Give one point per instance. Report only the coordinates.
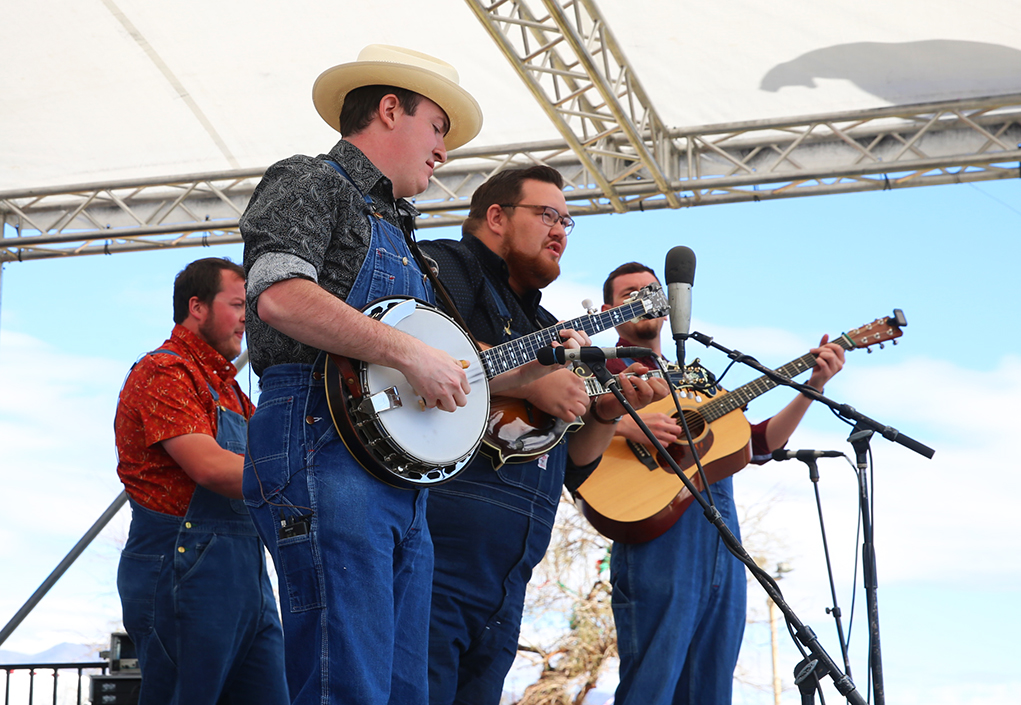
(379, 64)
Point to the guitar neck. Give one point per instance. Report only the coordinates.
(520, 351)
(739, 398)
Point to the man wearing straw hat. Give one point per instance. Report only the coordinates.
(353, 554)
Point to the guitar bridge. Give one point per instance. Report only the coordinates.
(381, 401)
(643, 455)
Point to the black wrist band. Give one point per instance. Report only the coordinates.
(600, 419)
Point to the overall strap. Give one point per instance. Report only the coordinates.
(347, 177)
(501, 305)
(216, 397)
(423, 261)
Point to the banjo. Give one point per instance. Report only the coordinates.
(386, 425)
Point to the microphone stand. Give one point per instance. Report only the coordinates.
(845, 410)
(820, 664)
(813, 475)
(864, 429)
(859, 440)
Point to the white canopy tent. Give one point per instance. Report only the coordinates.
(130, 125)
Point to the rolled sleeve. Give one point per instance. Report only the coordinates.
(274, 267)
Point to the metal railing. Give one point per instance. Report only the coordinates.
(54, 668)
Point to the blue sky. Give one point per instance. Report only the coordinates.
(771, 278)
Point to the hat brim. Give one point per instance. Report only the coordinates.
(462, 110)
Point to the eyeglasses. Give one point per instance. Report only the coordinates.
(550, 215)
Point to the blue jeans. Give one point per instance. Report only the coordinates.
(354, 586)
(679, 607)
(490, 529)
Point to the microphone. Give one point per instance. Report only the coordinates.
(561, 355)
(680, 277)
(805, 454)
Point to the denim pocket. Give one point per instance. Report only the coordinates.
(188, 561)
(299, 573)
(137, 578)
(541, 483)
(388, 275)
(299, 570)
(267, 467)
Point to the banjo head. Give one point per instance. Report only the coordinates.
(431, 438)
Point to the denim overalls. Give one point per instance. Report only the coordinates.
(679, 608)
(355, 561)
(490, 528)
(197, 601)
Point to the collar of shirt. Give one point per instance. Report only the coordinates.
(370, 180)
(204, 354)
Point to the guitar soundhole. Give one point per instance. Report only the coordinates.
(680, 451)
(695, 422)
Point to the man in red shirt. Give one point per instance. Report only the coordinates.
(194, 590)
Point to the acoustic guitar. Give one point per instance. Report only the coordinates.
(633, 496)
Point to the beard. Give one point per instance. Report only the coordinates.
(226, 346)
(646, 330)
(642, 331)
(535, 271)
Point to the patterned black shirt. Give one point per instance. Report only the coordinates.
(306, 221)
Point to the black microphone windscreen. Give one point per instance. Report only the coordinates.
(547, 356)
(680, 265)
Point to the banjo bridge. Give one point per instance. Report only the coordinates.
(383, 400)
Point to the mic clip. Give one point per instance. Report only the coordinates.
(294, 526)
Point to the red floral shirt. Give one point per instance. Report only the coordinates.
(166, 396)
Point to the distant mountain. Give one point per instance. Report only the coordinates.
(61, 653)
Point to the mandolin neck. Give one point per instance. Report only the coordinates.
(520, 351)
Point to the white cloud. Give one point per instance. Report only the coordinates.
(946, 525)
(930, 513)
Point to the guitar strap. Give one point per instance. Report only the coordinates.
(424, 263)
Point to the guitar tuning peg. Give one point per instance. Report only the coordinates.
(868, 350)
(893, 342)
(882, 346)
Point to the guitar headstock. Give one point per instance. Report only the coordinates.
(879, 331)
(652, 298)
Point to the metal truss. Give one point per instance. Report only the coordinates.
(569, 60)
(896, 147)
